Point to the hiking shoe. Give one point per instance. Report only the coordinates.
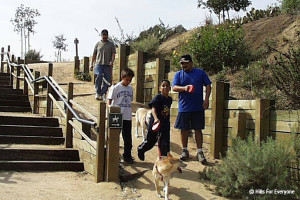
(141, 155)
(201, 158)
(185, 154)
(129, 160)
(98, 97)
(103, 97)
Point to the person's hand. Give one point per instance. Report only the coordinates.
(91, 68)
(111, 64)
(205, 104)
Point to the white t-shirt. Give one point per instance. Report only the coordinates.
(122, 96)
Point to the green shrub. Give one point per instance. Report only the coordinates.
(291, 6)
(285, 70)
(34, 55)
(214, 48)
(252, 166)
(82, 76)
(148, 44)
(257, 78)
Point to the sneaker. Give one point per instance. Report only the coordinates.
(97, 96)
(129, 160)
(103, 97)
(201, 158)
(141, 155)
(185, 154)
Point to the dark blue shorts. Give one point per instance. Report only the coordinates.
(190, 120)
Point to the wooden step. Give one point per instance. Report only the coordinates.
(11, 91)
(4, 82)
(26, 130)
(14, 109)
(41, 166)
(4, 74)
(33, 121)
(14, 139)
(6, 86)
(13, 154)
(14, 97)
(18, 103)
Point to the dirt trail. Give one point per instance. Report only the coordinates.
(72, 185)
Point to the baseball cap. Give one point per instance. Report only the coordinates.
(186, 58)
(104, 32)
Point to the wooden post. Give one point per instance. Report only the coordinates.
(262, 119)
(8, 48)
(12, 70)
(76, 64)
(122, 59)
(25, 84)
(69, 128)
(12, 58)
(239, 125)
(138, 96)
(18, 75)
(35, 94)
(217, 109)
(160, 73)
(86, 65)
(100, 155)
(49, 91)
(2, 59)
(112, 150)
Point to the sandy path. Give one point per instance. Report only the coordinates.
(73, 185)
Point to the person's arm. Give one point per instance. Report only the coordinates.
(109, 101)
(207, 94)
(153, 111)
(177, 88)
(112, 59)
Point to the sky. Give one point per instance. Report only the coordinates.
(78, 19)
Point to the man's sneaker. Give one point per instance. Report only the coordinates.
(201, 158)
(141, 155)
(97, 96)
(129, 160)
(103, 97)
(185, 154)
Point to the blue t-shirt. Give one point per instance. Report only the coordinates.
(191, 102)
(162, 105)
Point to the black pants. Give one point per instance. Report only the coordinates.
(126, 134)
(163, 138)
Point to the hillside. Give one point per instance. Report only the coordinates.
(283, 29)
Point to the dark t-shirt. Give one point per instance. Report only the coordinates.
(162, 105)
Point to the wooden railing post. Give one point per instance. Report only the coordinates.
(76, 64)
(217, 109)
(160, 73)
(18, 75)
(11, 75)
(49, 91)
(262, 119)
(86, 65)
(138, 96)
(122, 59)
(2, 59)
(100, 155)
(112, 149)
(69, 129)
(25, 84)
(35, 94)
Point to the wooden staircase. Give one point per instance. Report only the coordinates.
(30, 143)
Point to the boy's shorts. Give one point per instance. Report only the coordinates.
(190, 120)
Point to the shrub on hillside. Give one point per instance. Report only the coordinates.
(214, 48)
(285, 70)
(291, 6)
(250, 166)
(82, 76)
(34, 55)
(148, 44)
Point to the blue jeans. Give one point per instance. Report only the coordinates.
(100, 70)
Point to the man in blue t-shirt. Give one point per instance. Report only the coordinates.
(189, 83)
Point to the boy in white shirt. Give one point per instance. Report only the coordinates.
(121, 95)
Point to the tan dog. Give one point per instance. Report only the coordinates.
(142, 117)
(162, 170)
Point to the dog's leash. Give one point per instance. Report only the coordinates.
(162, 178)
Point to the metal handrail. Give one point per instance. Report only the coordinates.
(45, 78)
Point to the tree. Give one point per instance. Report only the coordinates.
(218, 6)
(60, 45)
(24, 23)
(291, 6)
